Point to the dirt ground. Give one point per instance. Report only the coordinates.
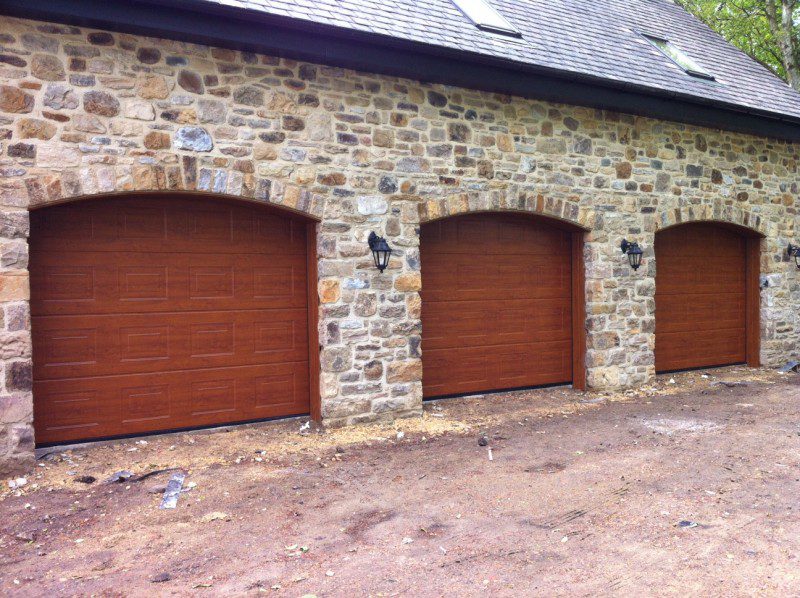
(687, 487)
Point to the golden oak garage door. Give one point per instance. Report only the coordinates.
(496, 304)
(158, 313)
(701, 297)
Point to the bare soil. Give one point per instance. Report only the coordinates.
(686, 487)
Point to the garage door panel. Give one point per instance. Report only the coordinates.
(509, 366)
(497, 234)
(694, 276)
(472, 323)
(494, 278)
(496, 304)
(715, 312)
(178, 224)
(551, 360)
(700, 301)
(85, 408)
(699, 240)
(70, 410)
(70, 346)
(684, 350)
(96, 282)
(166, 314)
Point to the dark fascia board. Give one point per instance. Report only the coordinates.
(230, 27)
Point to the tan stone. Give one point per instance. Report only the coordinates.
(280, 102)
(140, 111)
(330, 290)
(329, 385)
(156, 140)
(414, 306)
(14, 286)
(264, 151)
(15, 408)
(15, 345)
(57, 156)
(603, 377)
(88, 123)
(319, 127)
(13, 99)
(118, 82)
(152, 87)
(383, 138)
(404, 371)
(411, 281)
(32, 128)
(304, 175)
(505, 143)
(47, 67)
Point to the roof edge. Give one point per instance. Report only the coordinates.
(372, 53)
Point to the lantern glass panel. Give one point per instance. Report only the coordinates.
(635, 257)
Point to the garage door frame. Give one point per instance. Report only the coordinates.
(752, 239)
(311, 226)
(578, 285)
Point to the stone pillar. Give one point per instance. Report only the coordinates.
(620, 305)
(16, 399)
(369, 321)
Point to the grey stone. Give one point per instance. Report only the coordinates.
(249, 95)
(195, 139)
(40, 43)
(211, 111)
(410, 164)
(336, 359)
(372, 204)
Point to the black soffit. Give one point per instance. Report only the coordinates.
(216, 25)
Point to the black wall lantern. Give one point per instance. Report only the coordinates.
(794, 251)
(380, 251)
(633, 251)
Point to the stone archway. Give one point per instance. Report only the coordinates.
(715, 211)
(570, 212)
(704, 320)
(187, 175)
(205, 307)
(560, 214)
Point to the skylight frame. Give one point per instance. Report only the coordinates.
(695, 70)
(486, 18)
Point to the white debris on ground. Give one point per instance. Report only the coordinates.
(672, 426)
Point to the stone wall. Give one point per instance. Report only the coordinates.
(85, 112)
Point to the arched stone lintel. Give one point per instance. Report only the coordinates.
(570, 212)
(712, 212)
(80, 183)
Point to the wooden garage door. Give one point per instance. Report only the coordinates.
(160, 313)
(700, 297)
(496, 304)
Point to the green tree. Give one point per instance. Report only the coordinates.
(767, 30)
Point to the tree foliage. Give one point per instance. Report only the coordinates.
(767, 30)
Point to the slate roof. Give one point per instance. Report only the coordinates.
(598, 39)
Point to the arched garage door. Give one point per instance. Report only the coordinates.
(157, 313)
(499, 299)
(706, 297)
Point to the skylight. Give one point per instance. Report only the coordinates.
(486, 17)
(679, 57)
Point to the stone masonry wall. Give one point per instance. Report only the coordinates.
(86, 112)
